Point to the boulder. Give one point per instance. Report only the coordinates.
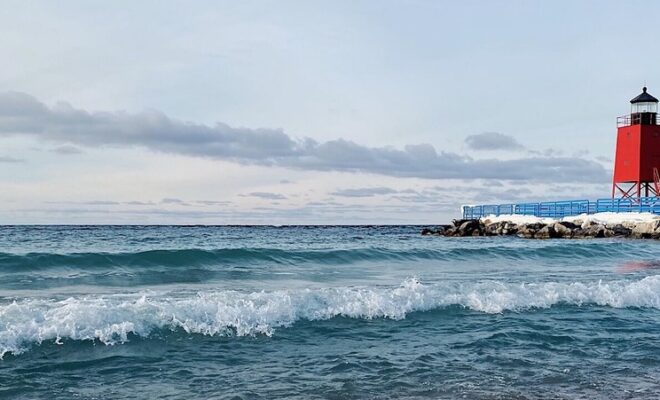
(495, 229)
(502, 228)
(563, 230)
(608, 232)
(529, 230)
(578, 233)
(619, 230)
(577, 222)
(470, 227)
(510, 228)
(629, 224)
(547, 232)
(492, 229)
(569, 225)
(646, 230)
(458, 222)
(595, 231)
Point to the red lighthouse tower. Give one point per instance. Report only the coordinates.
(637, 159)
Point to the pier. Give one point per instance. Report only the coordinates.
(567, 208)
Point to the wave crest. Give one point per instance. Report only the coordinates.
(111, 319)
(186, 258)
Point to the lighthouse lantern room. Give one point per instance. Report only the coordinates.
(637, 159)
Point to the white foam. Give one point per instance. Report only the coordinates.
(110, 319)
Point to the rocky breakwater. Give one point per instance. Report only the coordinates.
(575, 229)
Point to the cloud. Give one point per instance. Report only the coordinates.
(364, 192)
(10, 160)
(311, 213)
(265, 195)
(107, 203)
(139, 203)
(555, 153)
(493, 141)
(67, 149)
(21, 114)
(170, 200)
(100, 203)
(213, 202)
(167, 200)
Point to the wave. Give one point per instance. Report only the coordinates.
(199, 257)
(112, 319)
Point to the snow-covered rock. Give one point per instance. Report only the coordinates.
(585, 220)
(602, 225)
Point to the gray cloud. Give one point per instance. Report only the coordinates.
(213, 202)
(67, 149)
(170, 200)
(114, 203)
(493, 141)
(364, 192)
(10, 160)
(265, 195)
(555, 153)
(167, 200)
(100, 203)
(23, 114)
(140, 203)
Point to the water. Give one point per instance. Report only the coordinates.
(323, 312)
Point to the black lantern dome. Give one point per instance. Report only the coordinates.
(644, 98)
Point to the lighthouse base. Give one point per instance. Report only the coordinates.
(635, 190)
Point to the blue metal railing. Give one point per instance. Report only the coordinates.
(560, 209)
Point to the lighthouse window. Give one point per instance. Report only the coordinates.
(644, 107)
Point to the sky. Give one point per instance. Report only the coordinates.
(299, 112)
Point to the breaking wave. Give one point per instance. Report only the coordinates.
(112, 319)
(250, 256)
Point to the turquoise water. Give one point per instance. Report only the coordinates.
(323, 312)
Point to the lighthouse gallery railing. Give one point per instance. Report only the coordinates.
(560, 209)
(636, 119)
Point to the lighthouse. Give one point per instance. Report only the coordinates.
(636, 180)
(637, 159)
